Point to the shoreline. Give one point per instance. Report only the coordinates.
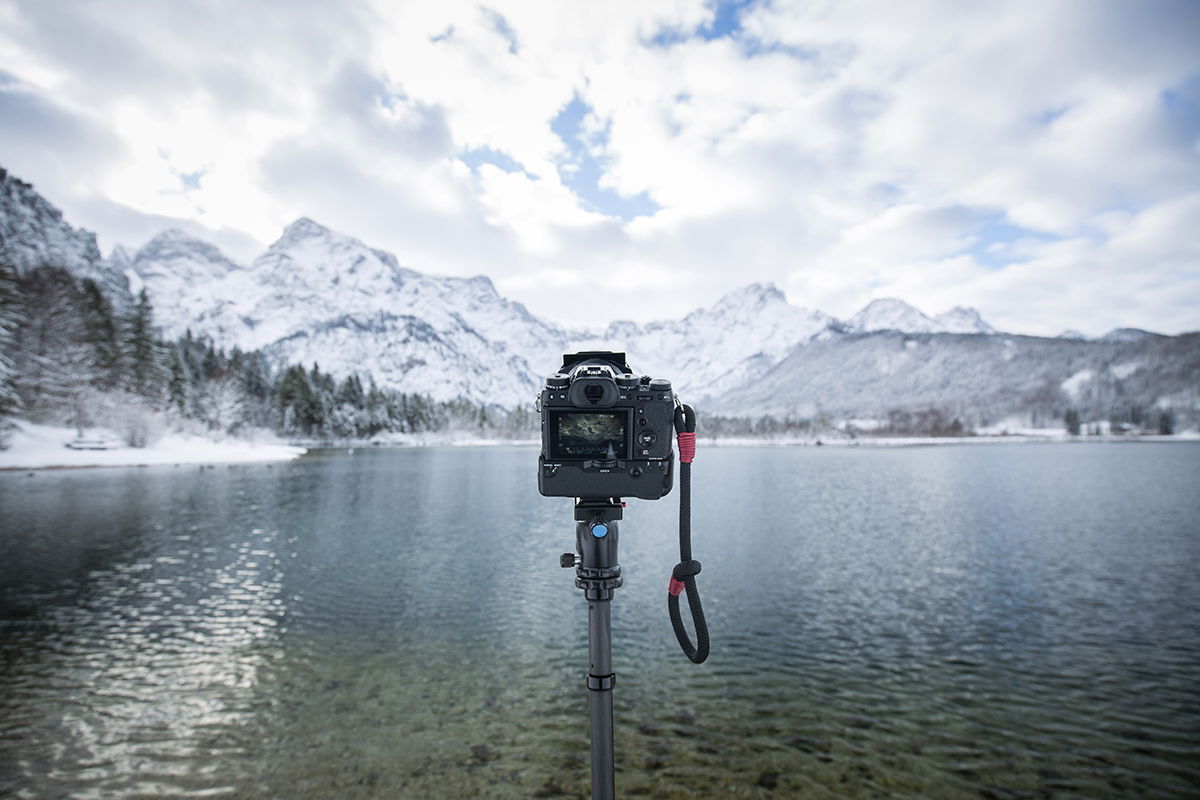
(43, 447)
(39, 447)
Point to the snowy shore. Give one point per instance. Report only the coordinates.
(914, 441)
(44, 447)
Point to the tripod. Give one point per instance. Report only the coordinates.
(598, 574)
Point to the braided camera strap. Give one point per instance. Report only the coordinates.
(683, 576)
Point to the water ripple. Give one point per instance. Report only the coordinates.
(926, 623)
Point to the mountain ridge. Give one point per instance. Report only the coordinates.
(311, 265)
(319, 296)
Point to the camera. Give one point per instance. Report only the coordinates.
(606, 432)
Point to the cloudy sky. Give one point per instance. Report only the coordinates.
(1036, 159)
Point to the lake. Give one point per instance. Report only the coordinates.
(1002, 621)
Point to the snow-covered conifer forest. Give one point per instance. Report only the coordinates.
(70, 356)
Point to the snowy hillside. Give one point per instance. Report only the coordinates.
(978, 379)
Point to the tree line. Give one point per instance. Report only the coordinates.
(70, 356)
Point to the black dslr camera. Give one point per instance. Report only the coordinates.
(605, 431)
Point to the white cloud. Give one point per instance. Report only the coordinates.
(844, 151)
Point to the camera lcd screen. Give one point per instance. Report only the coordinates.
(589, 434)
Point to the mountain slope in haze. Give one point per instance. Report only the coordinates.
(979, 379)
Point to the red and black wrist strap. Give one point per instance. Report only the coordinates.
(683, 576)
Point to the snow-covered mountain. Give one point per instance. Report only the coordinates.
(715, 349)
(1127, 335)
(962, 320)
(891, 314)
(33, 233)
(319, 296)
(980, 380)
(316, 295)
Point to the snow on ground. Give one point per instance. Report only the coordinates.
(38, 446)
(1073, 384)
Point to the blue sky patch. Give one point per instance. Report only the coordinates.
(486, 155)
(993, 240)
(1181, 104)
(1048, 116)
(580, 169)
(191, 180)
(496, 21)
(726, 22)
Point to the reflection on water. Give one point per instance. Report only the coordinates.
(1016, 621)
(147, 654)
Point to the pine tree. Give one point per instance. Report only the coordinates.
(297, 403)
(1071, 419)
(178, 382)
(100, 331)
(1166, 423)
(142, 350)
(56, 362)
(351, 392)
(254, 375)
(10, 320)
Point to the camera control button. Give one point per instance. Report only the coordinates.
(635, 472)
(647, 438)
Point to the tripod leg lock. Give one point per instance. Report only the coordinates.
(602, 683)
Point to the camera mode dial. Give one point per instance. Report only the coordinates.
(558, 381)
(627, 381)
(660, 385)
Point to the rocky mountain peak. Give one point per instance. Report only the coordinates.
(961, 319)
(33, 233)
(753, 294)
(1122, 335)
(891, 313)
(174, 243)
(300, 230)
